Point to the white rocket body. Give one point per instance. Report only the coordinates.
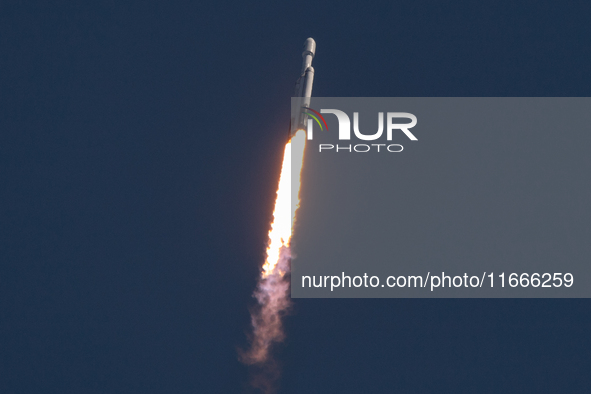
(303, 88)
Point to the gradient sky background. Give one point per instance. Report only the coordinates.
(140, 145)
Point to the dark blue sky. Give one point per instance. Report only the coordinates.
(140, 145)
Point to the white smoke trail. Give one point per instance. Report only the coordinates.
(272, 294)
(272, 291)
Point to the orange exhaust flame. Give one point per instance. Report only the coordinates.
(287, 201)
(272, 291)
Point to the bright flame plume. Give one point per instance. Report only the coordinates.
(287, 202)
(272, 291)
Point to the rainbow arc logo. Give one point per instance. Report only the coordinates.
(315, 114)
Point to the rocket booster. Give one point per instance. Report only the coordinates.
(303, 89)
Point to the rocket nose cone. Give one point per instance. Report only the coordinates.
(309, 47)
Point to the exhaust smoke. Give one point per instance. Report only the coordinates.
(272, 292)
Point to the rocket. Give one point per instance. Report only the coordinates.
(303, 89)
